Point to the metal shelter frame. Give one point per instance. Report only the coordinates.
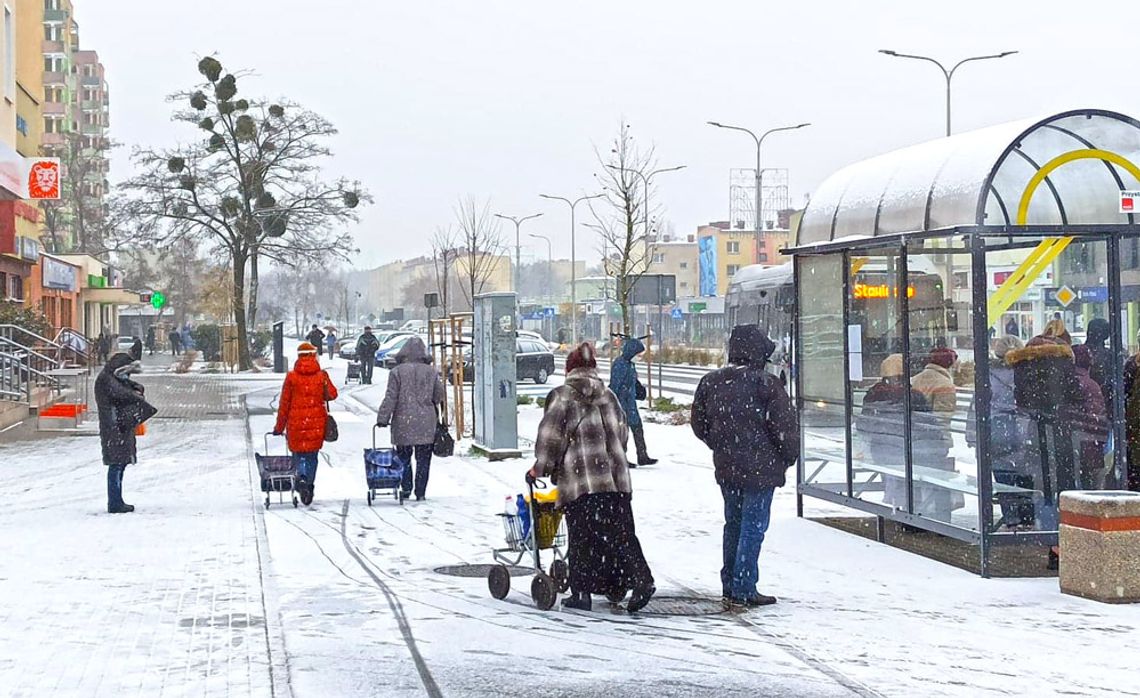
(1039, 184)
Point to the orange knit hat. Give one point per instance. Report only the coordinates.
(306, 348)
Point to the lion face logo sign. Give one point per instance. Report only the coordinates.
(43, 180)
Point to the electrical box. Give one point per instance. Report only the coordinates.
(495, 399)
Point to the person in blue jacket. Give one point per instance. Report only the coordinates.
(624, 384)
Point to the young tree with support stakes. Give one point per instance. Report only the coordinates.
(251, 186)
(620, 213)
(481, 240)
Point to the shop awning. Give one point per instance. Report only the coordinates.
(1066, 169)
(118, 296)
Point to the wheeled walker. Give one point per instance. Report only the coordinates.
(544, 531)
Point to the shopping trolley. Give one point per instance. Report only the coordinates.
(542, 529)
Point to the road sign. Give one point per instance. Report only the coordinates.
(548, 312)
(677, 314)
(698, 307)
(1065, 296)
(157, 300)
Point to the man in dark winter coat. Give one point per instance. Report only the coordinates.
(745, 416)
(122, 408)
(624, 384)
(316, 338)
(366, 348)
(1102, 362)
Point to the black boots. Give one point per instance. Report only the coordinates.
(639, 441)
(121, 509)
(579, 602)
(640, 598)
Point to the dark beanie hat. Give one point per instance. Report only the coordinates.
(943, 357)
(582, 357)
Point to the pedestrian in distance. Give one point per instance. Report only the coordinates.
(366, 348)
(581, 448)
(628, 389)
(175, 340)
(1090, 424)
(412, 407)
(936, 384)
(1100, 369)
(150, 340)
(743, 414)
(316, 338)
(1132, 420)
(103, 346)
(330, 343)
(122, 410)
(303, 414)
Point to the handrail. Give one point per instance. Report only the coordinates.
(31, 352)
(6, 330)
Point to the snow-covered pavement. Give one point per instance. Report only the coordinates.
(204, 592)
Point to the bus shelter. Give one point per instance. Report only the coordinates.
(943, 293)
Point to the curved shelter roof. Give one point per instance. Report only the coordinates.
(1066, 169)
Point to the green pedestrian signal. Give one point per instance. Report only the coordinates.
(157, 300)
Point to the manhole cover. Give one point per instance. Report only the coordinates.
(480, 570)
(682, 606)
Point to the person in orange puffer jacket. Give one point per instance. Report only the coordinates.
(302, 414)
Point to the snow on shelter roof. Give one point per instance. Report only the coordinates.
(980, 177)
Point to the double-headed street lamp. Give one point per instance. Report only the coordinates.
(573, 261)
(518, 254)
(759, 172)
(549, 261)
(948, 73)
(645, 180)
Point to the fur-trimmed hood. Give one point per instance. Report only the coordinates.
(1038, 351)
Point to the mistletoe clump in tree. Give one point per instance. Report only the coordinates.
(250, 187)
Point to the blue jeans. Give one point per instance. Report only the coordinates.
(423, 454)
(746, 517)
(115, 486)
(306, 465)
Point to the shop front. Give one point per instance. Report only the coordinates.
(965, 311)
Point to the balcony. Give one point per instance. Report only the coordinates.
(55, 16)
(54, 108)
(56, 47)
(53, 139)
(52, 78)
(95, 81)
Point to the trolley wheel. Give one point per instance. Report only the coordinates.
(499, 581)
(560, 573)
(544, 591)
(616, 596)
(369, 497)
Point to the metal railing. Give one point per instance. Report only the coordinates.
(24, 370)
(69, 346)
(12, 383)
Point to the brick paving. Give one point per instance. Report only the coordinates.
(168, 600)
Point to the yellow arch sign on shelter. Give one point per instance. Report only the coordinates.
(1048, 250)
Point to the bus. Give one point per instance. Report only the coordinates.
(766, 296)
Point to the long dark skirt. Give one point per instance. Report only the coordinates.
(604, 553)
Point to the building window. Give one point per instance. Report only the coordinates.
(733, 247)
(51, 4)
(763, 256)
(658, 259)
(684, 265)
(684, 284)
(9, 55)
(732, 269)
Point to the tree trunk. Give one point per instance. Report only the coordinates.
(239, 259)
(254, 285)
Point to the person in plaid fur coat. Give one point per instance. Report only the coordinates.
(581, 448)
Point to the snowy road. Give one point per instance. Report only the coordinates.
(204, 592)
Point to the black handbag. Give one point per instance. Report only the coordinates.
(640, 392)
(444, 446)
(332, 430)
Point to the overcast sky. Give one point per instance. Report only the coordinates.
(505, 99)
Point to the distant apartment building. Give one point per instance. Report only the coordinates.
(680, 259)
(402, 283)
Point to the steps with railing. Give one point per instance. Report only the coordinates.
(69, 348)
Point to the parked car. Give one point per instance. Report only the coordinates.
(533, 361)
(529, 334)
(347, 348)
(124, 343)
(386, 354)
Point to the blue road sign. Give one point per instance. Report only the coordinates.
(677, 314)
(548, 311)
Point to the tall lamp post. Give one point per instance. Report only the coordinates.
(549, 261)
(759, 172)
(573, 261)
(645, 181)
(518, 255)
(948, 73)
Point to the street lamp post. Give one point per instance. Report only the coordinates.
(518, 256)
(759, 172)
(573, 261)
(645, 181)
(949, 74)
(549, 262)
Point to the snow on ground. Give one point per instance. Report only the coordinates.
(203, 591)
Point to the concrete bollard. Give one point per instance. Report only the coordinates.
(1100, 545)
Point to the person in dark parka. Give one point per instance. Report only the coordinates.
(316, 338)
(743, 414)
(366, 348)
(122, 408)
(624, 384)
(413, 406)
(1100, 369)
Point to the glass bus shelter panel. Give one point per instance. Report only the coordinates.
(821, 344)
(944, 484)
(876, 375)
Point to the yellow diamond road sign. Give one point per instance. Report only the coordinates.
(1065, 296)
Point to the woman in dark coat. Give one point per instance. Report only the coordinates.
(624, 384)
(122, 408)
(412, 405)
(1047, 391)
(881, 425)
(1090, 422)
(581, 447)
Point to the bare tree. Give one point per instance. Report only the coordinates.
(251, 188)
(482, 247)
(444, 251)
(620, 216)
(75, 222)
